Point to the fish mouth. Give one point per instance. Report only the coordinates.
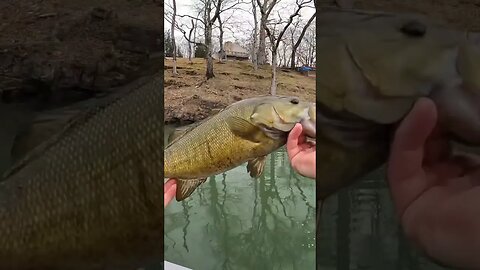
(284, 125)
(309, 128)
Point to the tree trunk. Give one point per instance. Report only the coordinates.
(292, 60)
(208, 43)
(273, 89)
(220, 39)
(262, 52)
(195, 39)
(173, 39)
(190, 44)
(255, 33)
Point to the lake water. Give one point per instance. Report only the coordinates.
(235, 222)
(359, 231)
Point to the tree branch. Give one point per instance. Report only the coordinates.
(217, 11)
(304, 31)
(300, 5)
(191, 17)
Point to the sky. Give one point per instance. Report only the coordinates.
(240, 22)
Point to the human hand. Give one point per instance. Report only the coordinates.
(436, 193)
(169, 190)
(301, 154)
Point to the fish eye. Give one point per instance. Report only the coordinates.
(294, 101)
(414, 29)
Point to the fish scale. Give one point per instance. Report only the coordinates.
(91, 197)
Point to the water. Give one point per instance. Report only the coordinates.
(359, 231)
(235, 222)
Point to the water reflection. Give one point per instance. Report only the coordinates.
(235, 222)
(358, 230)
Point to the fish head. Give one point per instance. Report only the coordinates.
(279, 114)
(376, 65)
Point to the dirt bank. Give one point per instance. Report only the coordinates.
(188, 97)
(64, 51)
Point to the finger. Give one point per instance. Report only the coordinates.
(169, 184)
(294, 140)
(169, 191)
(407, 153)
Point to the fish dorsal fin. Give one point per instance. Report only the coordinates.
(256, 166)
(216, 111)
(182, 131)
(78, 120)
(185, 188)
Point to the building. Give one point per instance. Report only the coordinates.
(233, 51)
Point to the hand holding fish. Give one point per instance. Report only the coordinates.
(301, 154)
(169, 189)
(436, 193)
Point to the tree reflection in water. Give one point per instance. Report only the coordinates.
(359, 230)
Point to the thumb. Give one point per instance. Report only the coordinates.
(293, 140)
(405, 170)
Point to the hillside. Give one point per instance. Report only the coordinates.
(188, 97)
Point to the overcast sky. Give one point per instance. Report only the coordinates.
(240, 22)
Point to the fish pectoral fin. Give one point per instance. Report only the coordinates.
(274, 134)
(185, 188)
(244, 129)
(255, 166)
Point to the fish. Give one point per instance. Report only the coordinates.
(371, 69)
(90, 196)
(245, 131)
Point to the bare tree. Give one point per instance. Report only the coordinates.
(208, 21)
(255, 33)
(265, 10)
(307, 49)
(293, 33)
(299, 40)
(275, 40)
(221, 52)
(174, 6)
(191, 30)
(190, 43)
(169, 15)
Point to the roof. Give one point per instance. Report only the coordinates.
(234, 49)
